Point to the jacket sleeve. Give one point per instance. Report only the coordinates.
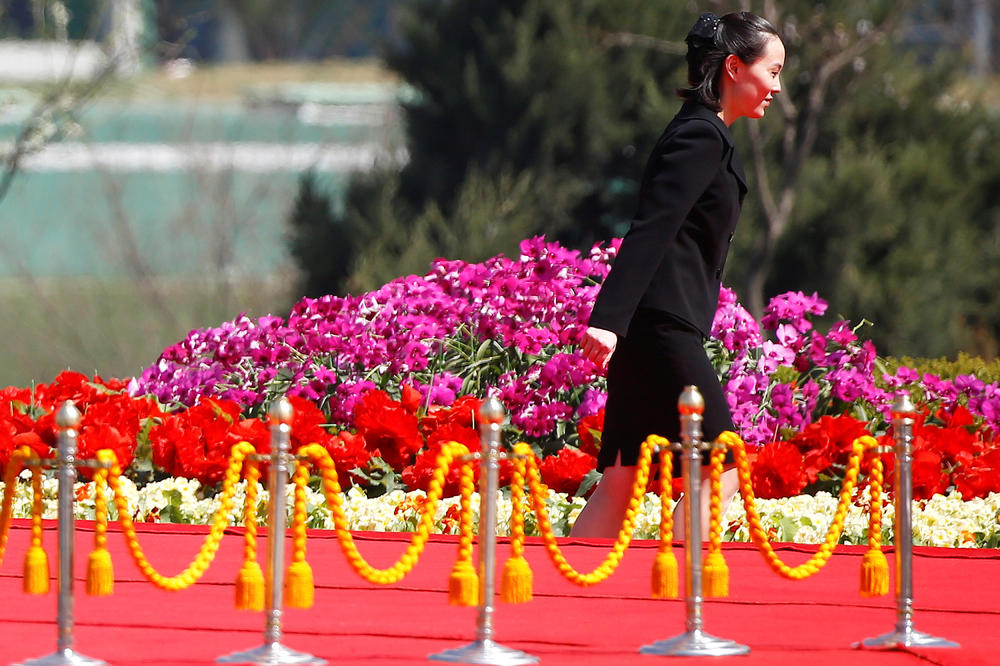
(678, 174)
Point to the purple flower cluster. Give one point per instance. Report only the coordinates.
(778, 386)
(509, 328)
(504, 326)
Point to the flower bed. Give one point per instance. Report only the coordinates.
(382, 379)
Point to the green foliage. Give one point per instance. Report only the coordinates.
(963, 364)
(895, 210)
(493, 213)
(531, 117)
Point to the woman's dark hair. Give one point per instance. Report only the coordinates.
(711, 40)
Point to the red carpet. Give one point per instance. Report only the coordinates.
(814, 622)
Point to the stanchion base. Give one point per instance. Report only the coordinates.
(695, 644)
(485, 652)
(270, 654)
(63, 657)
(905, 638)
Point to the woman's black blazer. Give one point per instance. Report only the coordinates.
(672, 257)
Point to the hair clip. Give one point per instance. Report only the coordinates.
(705, 27)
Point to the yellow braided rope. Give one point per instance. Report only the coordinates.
(664, 577)
(715, 500)
(36, 507)
(251, 473)
(876, 494)
(14, 467)
(715, 572)
(300, 513)
(219, 522)
(36, 561)
(463, 583)
(100, 571)
(517, 577)
(299, 589)
(613, 559)
(251, 586)
(874, 567)
(100, 509)
(517, 507)
(331, 488)
(467, 486)
(666, 492)
(757, 533)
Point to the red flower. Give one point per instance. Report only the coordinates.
(197, 443)
(454, 432)
(410, 398)
(67, 385)
(18, 429)
(955, 444)
(929, 477)
(827, 442)
(348, 452)
(589, 430)
(463, 412)
(389, 430)
(308, 424)
(419, 475)
(110, 423)
(253, 431)
(778, 471)
(564, 471)
(980, 476)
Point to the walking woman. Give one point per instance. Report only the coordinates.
(656, 306)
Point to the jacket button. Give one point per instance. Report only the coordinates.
(730, 238)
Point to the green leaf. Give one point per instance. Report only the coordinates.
(787, 529)
(589, 481)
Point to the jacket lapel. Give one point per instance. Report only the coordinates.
(692, 109)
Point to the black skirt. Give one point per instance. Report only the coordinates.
(647, 373)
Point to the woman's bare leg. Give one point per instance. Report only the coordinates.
(604, 512)
(730, 485)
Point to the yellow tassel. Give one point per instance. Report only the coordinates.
(715, 575)
(250, 587)
(36, 571)
(100, 573)
(665, 575)
(874, 574)
(299, 588)
(515, 585)
(463, 585)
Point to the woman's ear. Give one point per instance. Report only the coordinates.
(732, 65)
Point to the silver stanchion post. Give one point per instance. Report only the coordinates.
(694, 642)
(904, 635)
(485, 650)
(273, 652)
(67, 420)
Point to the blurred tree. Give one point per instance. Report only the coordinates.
(876, 188)
(851, 172)
(321, 243)
(826, 47)
(531, 117)
(276, 29)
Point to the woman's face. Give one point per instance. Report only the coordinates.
(752, 86)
